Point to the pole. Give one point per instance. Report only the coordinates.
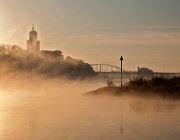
(138, 72)
(121, 59)
(121, 129)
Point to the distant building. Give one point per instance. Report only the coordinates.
(52, 54)
(145, 73)
(33, 45)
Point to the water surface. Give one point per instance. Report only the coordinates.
(61, 112)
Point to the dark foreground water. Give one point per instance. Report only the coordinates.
(63, 113)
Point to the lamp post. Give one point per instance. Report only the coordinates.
(121, 59)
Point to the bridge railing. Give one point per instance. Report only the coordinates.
(106, 68)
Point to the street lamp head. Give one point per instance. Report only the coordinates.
(121, 58)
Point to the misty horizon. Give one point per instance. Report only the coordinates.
(89, 69)
(146, 33)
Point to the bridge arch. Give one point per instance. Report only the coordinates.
(106, 68)
(111, 72)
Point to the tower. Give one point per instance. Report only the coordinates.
(33, 45)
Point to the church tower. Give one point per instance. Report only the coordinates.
(33, 45)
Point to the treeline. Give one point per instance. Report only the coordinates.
(10, 49)
(155, 87)
(166, 87)
(46, 63)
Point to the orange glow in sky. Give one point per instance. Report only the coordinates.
(145, 33)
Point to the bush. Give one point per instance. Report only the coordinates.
(110, 84)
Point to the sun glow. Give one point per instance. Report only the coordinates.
(1, 23)
(3, 95)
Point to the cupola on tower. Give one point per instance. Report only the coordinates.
(33, 45)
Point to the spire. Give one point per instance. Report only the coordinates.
(33, 45)
(33, 34)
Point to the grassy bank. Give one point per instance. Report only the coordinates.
(165, 88)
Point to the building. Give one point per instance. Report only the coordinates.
(145, 73)
(33, 45)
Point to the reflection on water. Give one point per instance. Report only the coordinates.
(62, 113)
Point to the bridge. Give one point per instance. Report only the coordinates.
(110, 71)
(107, 68)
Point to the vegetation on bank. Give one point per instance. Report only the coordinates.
(51, 64)
(161, 87)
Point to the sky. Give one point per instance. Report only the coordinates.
(145, 32)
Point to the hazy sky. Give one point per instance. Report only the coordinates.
(145, 32)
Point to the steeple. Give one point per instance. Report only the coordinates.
(33, 35)
(33, 45)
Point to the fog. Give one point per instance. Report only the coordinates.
(50, 64)
(41, 108)
(43, 97)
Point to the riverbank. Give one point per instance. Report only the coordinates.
(156, 87)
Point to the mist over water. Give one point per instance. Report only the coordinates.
(37, 108)
(43, 93)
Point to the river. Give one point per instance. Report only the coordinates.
(52, 111)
